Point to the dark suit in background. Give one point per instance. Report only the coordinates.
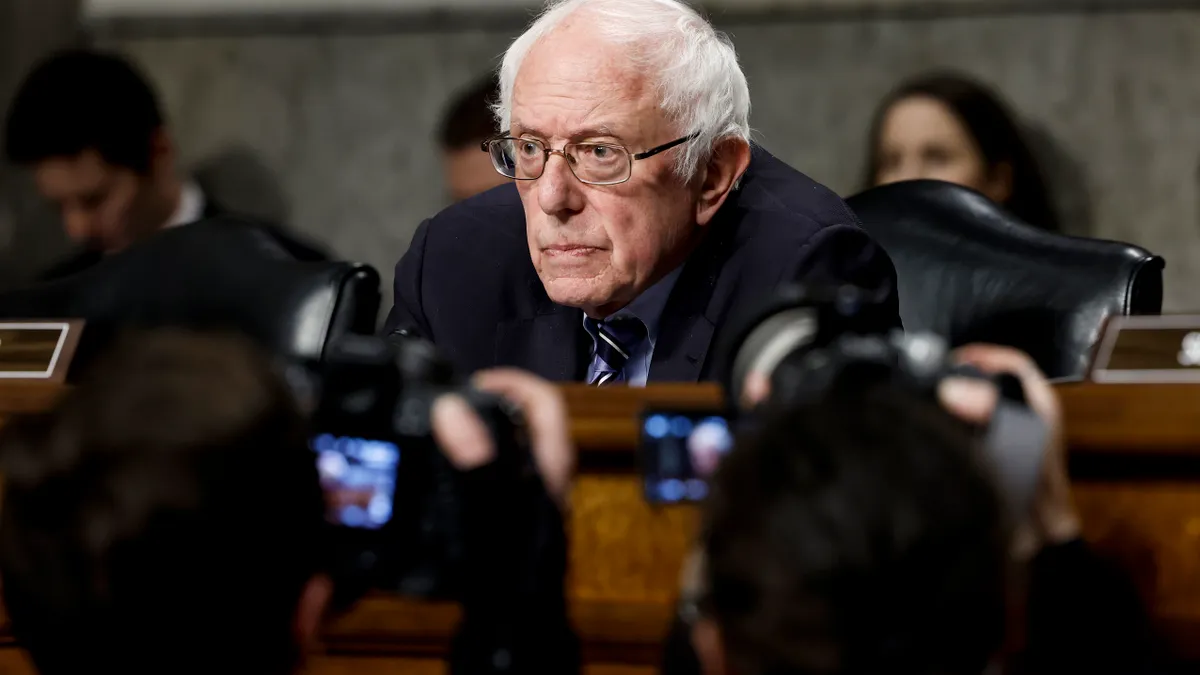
(467, 282)
(88, 257)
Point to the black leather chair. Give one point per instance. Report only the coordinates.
(219, 274)
(971, 272)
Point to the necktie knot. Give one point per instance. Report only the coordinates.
(616, 339)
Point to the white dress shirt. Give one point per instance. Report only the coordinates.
(191, 206)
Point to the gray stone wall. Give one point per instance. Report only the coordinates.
(29, 236)
(332, 126)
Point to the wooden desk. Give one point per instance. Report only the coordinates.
(1135, 457)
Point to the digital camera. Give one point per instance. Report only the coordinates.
(392, 497)
(803, 342)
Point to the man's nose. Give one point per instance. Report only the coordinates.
(558, 190)
(78, 224)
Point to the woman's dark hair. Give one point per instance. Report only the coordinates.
(995, 131)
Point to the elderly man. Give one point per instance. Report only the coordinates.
(640, 214)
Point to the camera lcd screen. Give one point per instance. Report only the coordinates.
(359, 479)
(680, 451)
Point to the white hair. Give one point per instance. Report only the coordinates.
(702, 88)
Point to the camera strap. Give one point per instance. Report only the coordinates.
(1015, 444)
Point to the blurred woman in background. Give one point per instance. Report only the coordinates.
(949, 127)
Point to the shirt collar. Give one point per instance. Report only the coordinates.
(648, 307)
(191, 206)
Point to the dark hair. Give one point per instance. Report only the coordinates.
(79, 100)
(857, 535)
(995, 131)
(468, 119)
(167, 514)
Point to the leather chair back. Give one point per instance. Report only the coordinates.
(218, 274)
(971, 272)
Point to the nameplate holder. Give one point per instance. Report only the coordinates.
(1149, 349)
(37, 350)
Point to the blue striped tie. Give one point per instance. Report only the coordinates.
(616, 340)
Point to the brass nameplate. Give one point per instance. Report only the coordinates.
(37, 350)
(1149, 349)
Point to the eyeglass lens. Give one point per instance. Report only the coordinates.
(525, 159)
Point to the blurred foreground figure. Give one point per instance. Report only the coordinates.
(864, 532)
(167, 517)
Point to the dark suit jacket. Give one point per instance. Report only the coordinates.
(467, 282)
(89, 256)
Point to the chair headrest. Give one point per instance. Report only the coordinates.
(971, 271)
(223, 273)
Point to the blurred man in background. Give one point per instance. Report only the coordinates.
(466, 124)
(91, 129)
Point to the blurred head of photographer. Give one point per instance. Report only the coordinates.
(866, 520)
(857, 533)
(183, 506)
(166, 515)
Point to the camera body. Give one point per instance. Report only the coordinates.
(392, 497)
(806, 343)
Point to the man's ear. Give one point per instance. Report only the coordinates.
(310, 610)
(162, 150)
(729, 161)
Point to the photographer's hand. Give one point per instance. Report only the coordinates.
(1054, 519)
(465, 441)
(514, 543)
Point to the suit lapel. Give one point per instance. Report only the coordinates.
(547, 344)
(682, 346)
(685, 331)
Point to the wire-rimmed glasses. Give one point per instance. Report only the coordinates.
(591, 163)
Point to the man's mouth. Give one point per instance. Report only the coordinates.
(570, 250)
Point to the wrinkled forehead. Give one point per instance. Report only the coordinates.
(574, 84)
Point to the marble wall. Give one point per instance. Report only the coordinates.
(29, 237)
(335, 124)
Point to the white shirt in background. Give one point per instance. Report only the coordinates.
(191, 206)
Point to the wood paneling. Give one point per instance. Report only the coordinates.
(14, 662)
(25, 396)
(1132, 419)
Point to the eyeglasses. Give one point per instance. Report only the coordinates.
(591, 163)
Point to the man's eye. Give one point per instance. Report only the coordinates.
(529, 148)
(601, 153)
